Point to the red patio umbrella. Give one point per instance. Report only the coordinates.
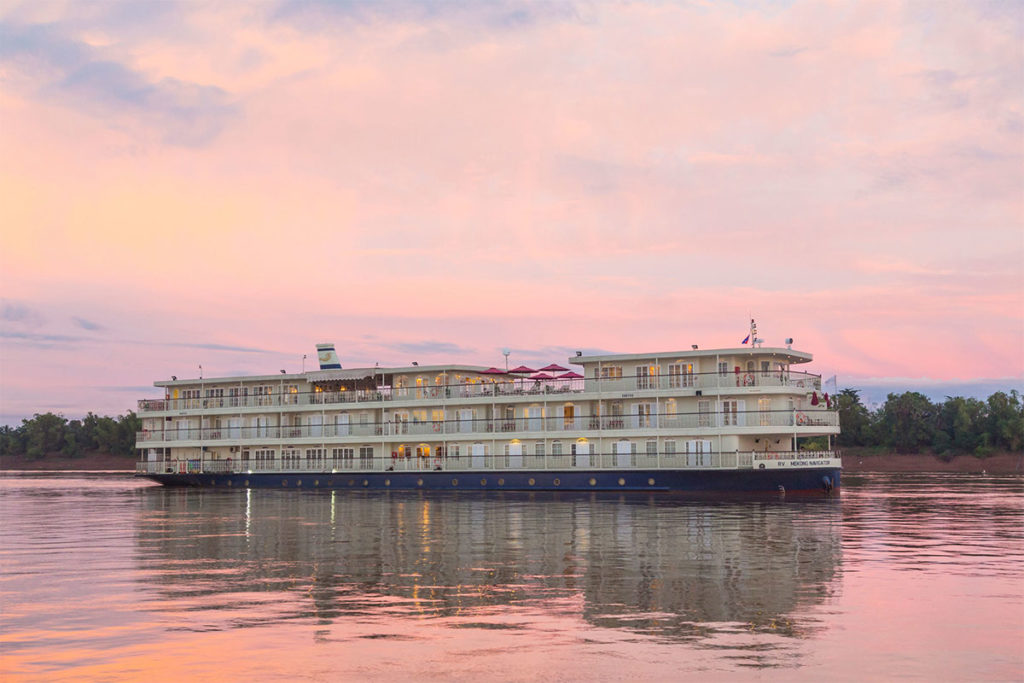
(553, 368)
(522, 370)
(541, 375)
(492, 371)
(571, 375)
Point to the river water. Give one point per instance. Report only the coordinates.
(106, 577)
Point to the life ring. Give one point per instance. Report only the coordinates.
(748, 380)
(801, 419)
(437, 426)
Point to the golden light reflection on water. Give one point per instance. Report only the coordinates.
(119, 580)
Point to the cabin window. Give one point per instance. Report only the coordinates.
(611, 372)
(680, 375)
(342, 457)
(647, 376)
(315, 457)
(732, 413)
(704, 413)
(366, 456)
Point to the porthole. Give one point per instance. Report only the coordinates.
(557, 482)
(531, 482)
(298, 483)
(593, 482)
(455, 482)
(419, 482)
(501, 482)
(622, 482)
(351, 482)
(229, 482)
(284, 482)
(365, 483)
(483, 482)
(650, 482)
(212, 482)
(246, 483)
(387, 482)
(316, 482)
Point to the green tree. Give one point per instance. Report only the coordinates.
(854, 419)
(1005, 424)
(960, 425)
(128, 425)
(73, 439)
(907, 422)
(44, 433)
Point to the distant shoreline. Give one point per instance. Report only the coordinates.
(53, 463)
(854, 460)
(998, 463)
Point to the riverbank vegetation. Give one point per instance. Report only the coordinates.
(53, 435)
(911, 423)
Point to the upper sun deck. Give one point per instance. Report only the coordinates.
(681, 372)
(775, 354)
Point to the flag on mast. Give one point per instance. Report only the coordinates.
(745, 339)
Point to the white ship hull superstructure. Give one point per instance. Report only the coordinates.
(701, 420)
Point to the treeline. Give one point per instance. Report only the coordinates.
(50, 434)
(911, 423)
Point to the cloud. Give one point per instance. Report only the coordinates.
(13, 312)
(211, 347)
(87, 324)
(76, 74)
(33, 337)
(498, 14)
(429, 347)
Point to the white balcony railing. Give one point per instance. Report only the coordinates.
(738, 422)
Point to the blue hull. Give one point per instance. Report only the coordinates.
(811, 480)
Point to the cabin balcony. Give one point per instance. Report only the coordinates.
(744, 422)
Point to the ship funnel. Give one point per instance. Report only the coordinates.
(328, 357)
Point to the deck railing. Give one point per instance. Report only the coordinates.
(502, 388)
(490, 462)
(507, 426)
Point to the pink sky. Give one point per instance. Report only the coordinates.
(227, 184)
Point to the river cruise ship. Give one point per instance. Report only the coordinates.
(700, 421)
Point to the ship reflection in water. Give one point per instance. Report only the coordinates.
(649, 566)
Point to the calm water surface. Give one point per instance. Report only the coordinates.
(906, 577)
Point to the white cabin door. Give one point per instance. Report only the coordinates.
(741, 415)
(691, 453)
(316, 425)
(698, 453)
(341, 425)
(465, 421)
(235, 428)
(623, 451)
(582, 455)
(183, 430)
(262, 427)
(478, 460)
(534, 419)
(515, 455)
